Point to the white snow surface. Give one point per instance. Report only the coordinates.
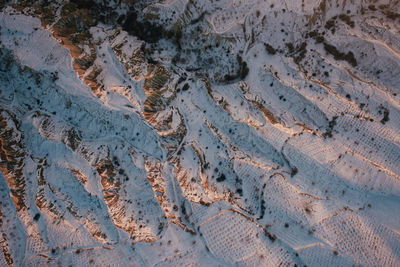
(294, 164)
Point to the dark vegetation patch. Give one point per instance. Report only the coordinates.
(185, 87)
(244, 70)
(348, 57)
(183, 210)
(271, 237)
(36, 217)
(208, 58)
(316, 35)
(241, 73)
(301, 51)
(332, 122)
(331, 24)
(290, 47)
(262, 207)
(346, 19)
(391, 15)
(221, 178)
(270, 49)
(204, 203)
(144, 30)
(239, 191)
(385, 112)
(385, 9)
(294, 171)
(85, 4)
(331, 125)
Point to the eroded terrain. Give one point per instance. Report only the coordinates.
(200, 133)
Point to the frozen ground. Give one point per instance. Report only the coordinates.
(220, 133)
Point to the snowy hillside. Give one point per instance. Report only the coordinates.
(200, 133)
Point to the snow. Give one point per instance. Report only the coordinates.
(295, 162)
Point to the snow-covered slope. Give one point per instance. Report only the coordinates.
(200, 133)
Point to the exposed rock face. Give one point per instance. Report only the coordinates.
(12, 158)
(204, 133)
